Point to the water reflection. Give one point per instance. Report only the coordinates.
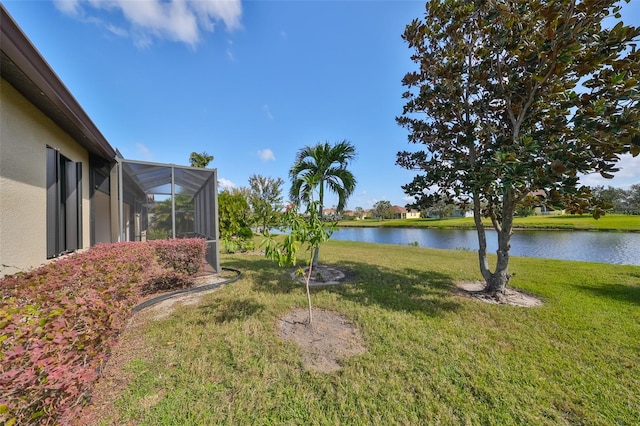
(606, 247)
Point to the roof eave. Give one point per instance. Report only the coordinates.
(52, 96)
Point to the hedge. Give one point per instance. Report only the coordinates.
(59, 322)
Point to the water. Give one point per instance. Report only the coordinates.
(606, 247)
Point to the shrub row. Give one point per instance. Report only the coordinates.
(58, 322)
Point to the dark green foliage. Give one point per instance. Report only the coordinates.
(201, 160)
(512, 97)
(323, 166)
(234, 221)
(234, 215)
(619, 200)
(320, 166)
(383, 210)
(441, 208)
(265, 200)
(633, 199)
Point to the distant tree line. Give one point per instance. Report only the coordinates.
(625, 201)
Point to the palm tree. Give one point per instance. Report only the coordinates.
(201, 159)
(320, 166)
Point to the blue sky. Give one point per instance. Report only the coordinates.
(248, 82)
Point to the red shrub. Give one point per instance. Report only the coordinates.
(57, 323)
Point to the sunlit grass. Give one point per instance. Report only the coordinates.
(573, 222)
(432, 357)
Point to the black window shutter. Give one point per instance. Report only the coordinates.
(72, 206)
(64, 204)
(52, 201)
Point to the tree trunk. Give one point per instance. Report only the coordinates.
(482, 239)
(308, 292)
(496, 282)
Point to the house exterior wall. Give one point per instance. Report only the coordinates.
(25, 133)
(413, 214)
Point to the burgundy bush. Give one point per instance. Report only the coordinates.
(58, 322)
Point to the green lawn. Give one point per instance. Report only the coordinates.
(432, 357)
(573, 222)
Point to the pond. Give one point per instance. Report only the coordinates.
(607, 247)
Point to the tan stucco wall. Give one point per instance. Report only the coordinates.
(25, 133)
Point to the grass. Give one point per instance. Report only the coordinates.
(433, 357)
(568, 222)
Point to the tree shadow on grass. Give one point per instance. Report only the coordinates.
(408, 289)
(266, 275)
(620, 292)
(229, 310)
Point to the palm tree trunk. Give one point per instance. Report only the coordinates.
(316, 252)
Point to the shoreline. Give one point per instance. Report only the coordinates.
(489, 227)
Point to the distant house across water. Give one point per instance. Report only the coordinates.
(402, 213)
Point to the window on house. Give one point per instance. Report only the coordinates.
(64, 204)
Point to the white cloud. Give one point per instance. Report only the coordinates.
(120, 32)
(69, 7)
(226, 184)
(628, 175)
(267, 111)
(177, 20)
(144, 152)
(266, 155)
(230, 54)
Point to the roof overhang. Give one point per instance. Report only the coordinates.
(25, 69)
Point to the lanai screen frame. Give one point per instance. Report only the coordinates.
(202, 183)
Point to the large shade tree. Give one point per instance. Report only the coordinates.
(323, 167)
(511, 97)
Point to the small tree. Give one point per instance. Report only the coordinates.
(234, 220)
(633, 199)
(265, 199)
(615, 198)
(308, 229)
(441, 208)
(526, 207)
(383, 210)
(360, 213)
(319, 167)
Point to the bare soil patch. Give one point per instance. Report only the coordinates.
(324, 275)
(325, 343)
(511, 297)
(114, 379)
